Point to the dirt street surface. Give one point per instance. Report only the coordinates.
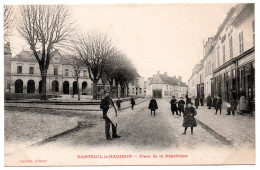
(141, 134)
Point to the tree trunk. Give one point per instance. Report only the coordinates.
(117, 95)
(43, 90)
(111, 89)
(127, 88)
(95, 89)
(78, 89)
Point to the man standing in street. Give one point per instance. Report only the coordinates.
(181, 104)
(209, 101)
(197, 102)
(107, 102)
(202, 101)
(174, 105)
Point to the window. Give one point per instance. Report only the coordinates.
(66, 72)
(224, 55)
(241, 42)
(230, 47)
(19, 69)
(253, 26)
(85, 72)
(31, 70)
(218, 56)
(55, 71)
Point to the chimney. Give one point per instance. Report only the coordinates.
(179, 77)
(158, 72)
(165, 73)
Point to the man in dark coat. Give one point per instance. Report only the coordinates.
(189, 120)
(202, 101)
(107, 102)
(197, 102)
(132, 102)
(218, 104)
(174, 105)
(187, 99)
(214, 101)
(209, 101)
(181, 104)
(153, 106)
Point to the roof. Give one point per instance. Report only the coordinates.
(164, 79)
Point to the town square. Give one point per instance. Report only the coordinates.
(144, 84)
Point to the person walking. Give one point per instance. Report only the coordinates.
(181, 104)
(132, 103)
(214, 101)
(153, 106)
(118, 103)
(174, 105)
(202, 101)
(187, 99)
(197, 102)
(189, 120)
(232, 107)
(209, 101)
(218, 105)
(106, 103)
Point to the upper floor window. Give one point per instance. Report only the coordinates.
(241, 42)
(253, 26)
(31, 70)
(55, 71)
(85, 73)
(224, 54)
(218, 60)
(231, 47)
(66, 72)
(19, 69)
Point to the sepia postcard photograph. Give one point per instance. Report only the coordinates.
(128, 84)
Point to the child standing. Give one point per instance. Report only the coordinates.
(189, 120)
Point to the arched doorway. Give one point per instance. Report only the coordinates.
(66, 87)
(75, 89)
(19, 86)
(30, 86)
(84, 88)
(55, 86)
(40, 86)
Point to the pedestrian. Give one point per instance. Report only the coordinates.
(181, 104)
(214, 101)
(218, 104)
(242, 104)
(209, 101)
(153, 106)
(174, 105)
(118, 103)
(132, 102)
(232, 107)
(197, 102)
(189, 120)
(187, 99)
(202, 101)
(106, 103)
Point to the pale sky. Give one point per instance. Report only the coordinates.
(168, 38)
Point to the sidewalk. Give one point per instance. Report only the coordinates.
(239, 129)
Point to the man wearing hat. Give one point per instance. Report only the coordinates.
(105, 103)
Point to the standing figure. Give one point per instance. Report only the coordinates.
(197, 102)
(132, 102)
(153, 106)
(174, 105)
(202, 101)
(181, 104)
(189, 120)
(242, 104)
(187, 99)
(218, 104)
(118, 103)
(209, 101)
(232, 108)
(106, 102)
(214, 101)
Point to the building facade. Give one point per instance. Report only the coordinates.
(229, 57)
(26, 76)
(163, 86)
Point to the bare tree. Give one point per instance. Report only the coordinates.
(94, 49)
(77, 66)
(44, 27)
(8, 21)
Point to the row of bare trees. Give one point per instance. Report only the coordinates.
(48, 27)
